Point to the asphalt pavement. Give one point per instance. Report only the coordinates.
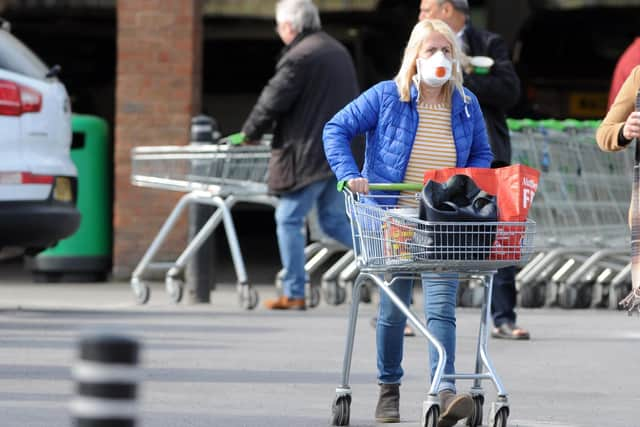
(218, 365)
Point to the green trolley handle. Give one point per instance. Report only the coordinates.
(403, 186)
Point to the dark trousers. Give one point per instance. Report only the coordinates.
(504, 296)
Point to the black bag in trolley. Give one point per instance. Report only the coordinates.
(462, 221)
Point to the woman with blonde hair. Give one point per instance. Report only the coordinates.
(423, 119)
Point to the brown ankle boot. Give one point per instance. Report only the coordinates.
(454, 407)
(285, 303)
(388, 407)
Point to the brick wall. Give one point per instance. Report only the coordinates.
(158, 90)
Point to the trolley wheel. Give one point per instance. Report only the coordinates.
(340, 410)
(599, 298)
(574, 296)
(247, 297)
(365, 293)
(333, 293)
(348, 284)
(568, 296)
(585, 295)
(174, 288)
(475, 419)
(533, 296)
(313, 296)
(142, 294)
(278, 283)
(500, 419)
(616, 293)
(472, 296)
(432, 416)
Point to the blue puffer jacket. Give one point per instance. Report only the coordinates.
(390, 126)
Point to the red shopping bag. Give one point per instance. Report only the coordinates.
(514, 187)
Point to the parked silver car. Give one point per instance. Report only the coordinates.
(38, 180)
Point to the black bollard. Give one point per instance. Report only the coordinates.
(200, 271)
(106, 377)
(204, 130)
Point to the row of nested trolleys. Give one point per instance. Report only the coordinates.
(582, 255)
(583, 245)
(222, 175)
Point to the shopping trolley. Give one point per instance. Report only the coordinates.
(389, 244)
(581, 214)
(218, 175)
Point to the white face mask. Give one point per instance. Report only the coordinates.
(435, 70)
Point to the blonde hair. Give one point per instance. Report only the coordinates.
(404, 78)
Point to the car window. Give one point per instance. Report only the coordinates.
(16, 57)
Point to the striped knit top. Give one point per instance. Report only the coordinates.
(433, 147)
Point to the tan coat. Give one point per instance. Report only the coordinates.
(607, 133)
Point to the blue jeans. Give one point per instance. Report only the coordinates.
(291, 211)
(504, 296)
(439, 292)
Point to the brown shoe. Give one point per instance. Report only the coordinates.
(510, 331)
(388, 407)
(454, 407)
(285, 303)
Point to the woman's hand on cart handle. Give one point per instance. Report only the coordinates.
(358, 185)
(355, 185)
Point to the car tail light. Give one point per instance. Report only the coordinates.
(30, 178)
(24, 178)
(31, 100)
(10, 104)
(16, 99)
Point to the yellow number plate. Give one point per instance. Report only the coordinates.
(62, 189)
(587, 104)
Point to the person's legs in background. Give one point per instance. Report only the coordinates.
(408, 330)
(389, 345)
(335, 223)
(440, 311)
(290, 216)
(503, 303)
(332, 215)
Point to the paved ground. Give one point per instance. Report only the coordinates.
(216, 365)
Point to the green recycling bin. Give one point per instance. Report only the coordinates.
(85, 256)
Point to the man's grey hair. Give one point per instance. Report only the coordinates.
(461, 5)
(302, 14)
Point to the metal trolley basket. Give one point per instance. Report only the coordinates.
(219, 175)
(390, 244)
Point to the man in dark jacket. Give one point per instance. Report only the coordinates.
(315, 77)
(497, 90)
